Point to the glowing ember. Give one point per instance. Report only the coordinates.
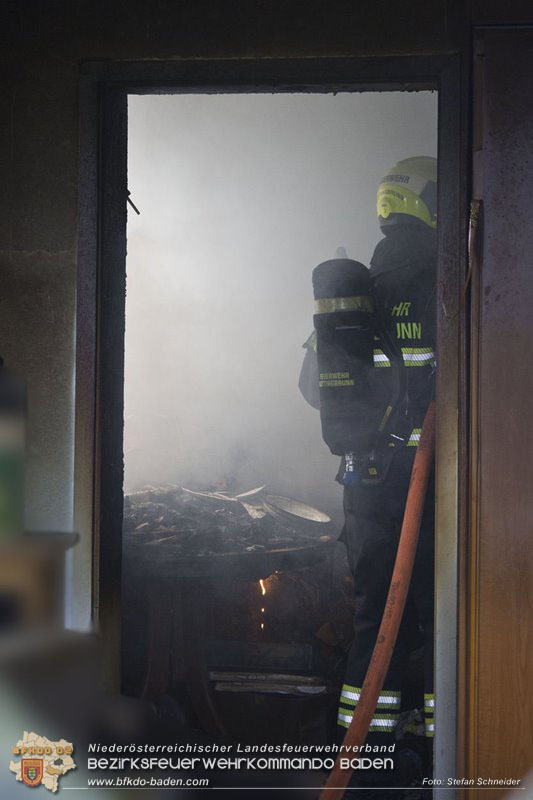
(262, 626)
(263, 587)
(262, 611)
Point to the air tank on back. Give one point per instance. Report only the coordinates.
(345, 326)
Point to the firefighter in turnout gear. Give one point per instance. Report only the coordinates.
(397, 378)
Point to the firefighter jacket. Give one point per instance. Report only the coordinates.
(403, 269)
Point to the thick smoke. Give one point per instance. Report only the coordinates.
(240, 197)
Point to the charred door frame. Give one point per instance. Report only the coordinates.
(101, 310)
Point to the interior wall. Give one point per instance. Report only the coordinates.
(501, 644)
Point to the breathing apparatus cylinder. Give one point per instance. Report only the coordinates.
(345, 324)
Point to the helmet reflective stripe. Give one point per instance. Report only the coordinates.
(409, 188)
(393, 199)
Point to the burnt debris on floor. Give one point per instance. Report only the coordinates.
(230, 607)
(237, 614)
(209, 522)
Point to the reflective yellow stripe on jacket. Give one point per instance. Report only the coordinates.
(387, 711)
(412, 357)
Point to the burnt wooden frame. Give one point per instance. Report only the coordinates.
(101, 308)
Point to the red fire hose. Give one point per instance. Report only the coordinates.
(392, 615)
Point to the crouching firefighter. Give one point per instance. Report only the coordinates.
(372, 356)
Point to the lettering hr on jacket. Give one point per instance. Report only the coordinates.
(406, 330)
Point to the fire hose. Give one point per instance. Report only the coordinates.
(394, 607)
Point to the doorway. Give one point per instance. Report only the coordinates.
(113, 192)
(241, 196)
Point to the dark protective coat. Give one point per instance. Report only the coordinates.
(403, 268)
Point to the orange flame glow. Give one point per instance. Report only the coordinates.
(263, 587)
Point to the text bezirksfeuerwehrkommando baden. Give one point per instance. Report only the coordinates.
(193, 755)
